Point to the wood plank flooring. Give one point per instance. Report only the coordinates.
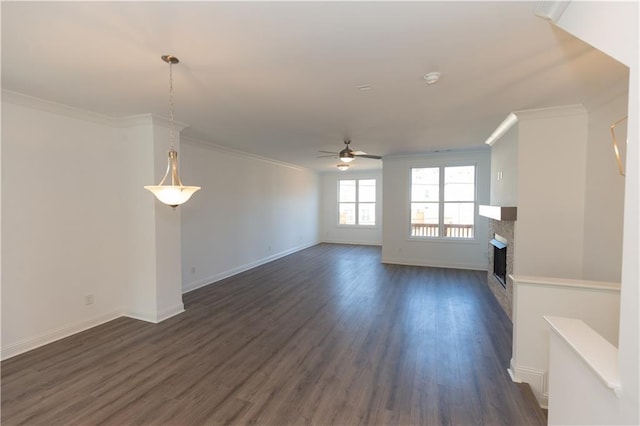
(326, 336)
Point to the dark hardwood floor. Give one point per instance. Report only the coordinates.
(328, 335)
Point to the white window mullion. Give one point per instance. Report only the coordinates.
(357, 202)
(441, 205)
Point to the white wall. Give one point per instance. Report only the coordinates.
(504, 169)
(604, 194)
(65, 230)
(398, 247)
(613, 28)
(549, 232)
(330, 231)
(249, 211)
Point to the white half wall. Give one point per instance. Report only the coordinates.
(331, 232)
(65, 223)
(597, 303)
(249, 211)
(398, 247)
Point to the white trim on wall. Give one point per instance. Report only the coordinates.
(155, 318)
(55, 108)
(537, 379)
(237, 153)
(51, 336)
(352, 242)
(439, 263)
(194, 285)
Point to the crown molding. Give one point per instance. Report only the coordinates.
(551, 10)
(556, 111)
(40, 104)
(455, 153)
(503, 128)
(241, 154)
(148, 120)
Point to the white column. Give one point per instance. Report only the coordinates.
(155, 291)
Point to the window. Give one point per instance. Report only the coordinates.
(357, 202)
(443, 201)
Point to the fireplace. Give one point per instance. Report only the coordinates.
(499, 244)
(501, 251)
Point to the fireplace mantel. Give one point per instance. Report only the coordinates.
(498, 212)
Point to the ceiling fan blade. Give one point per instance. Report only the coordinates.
(375, 157)
(329, 152)
(359, 153)
(327, 156)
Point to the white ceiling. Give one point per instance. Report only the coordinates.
(279, 79)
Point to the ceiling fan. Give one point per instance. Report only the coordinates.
(347, 154)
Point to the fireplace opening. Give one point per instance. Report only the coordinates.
(499, 244)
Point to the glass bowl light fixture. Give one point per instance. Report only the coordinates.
(342, 167)
(175, 194)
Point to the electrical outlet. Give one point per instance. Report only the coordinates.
(88, 299)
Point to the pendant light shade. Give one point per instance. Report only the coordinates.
(175, 194)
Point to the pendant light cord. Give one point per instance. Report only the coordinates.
(172, 134)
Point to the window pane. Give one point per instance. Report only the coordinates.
(424, 220)
(458, 220)
(425, 184)
(347, 214)
(367, 190)
(459, 183)
(347, 191)
(367, 214)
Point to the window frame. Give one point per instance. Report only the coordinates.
(441, 202)
(357, 203)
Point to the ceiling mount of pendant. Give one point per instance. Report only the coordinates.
(170, 59)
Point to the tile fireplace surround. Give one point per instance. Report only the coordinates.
(504, 295)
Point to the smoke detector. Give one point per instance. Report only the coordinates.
(432, 77)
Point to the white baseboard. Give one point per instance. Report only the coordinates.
(434, 264)
(352, 242)
(194, 285)
(537, 379)
(172, 311)
(50, 336)
(155, 317)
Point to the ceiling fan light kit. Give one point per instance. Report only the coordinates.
(175, 194)
(343, 167)
(347, 155)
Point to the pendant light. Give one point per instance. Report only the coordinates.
(175, 194)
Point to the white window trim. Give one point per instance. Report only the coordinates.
(357, 203)
(441, 238)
